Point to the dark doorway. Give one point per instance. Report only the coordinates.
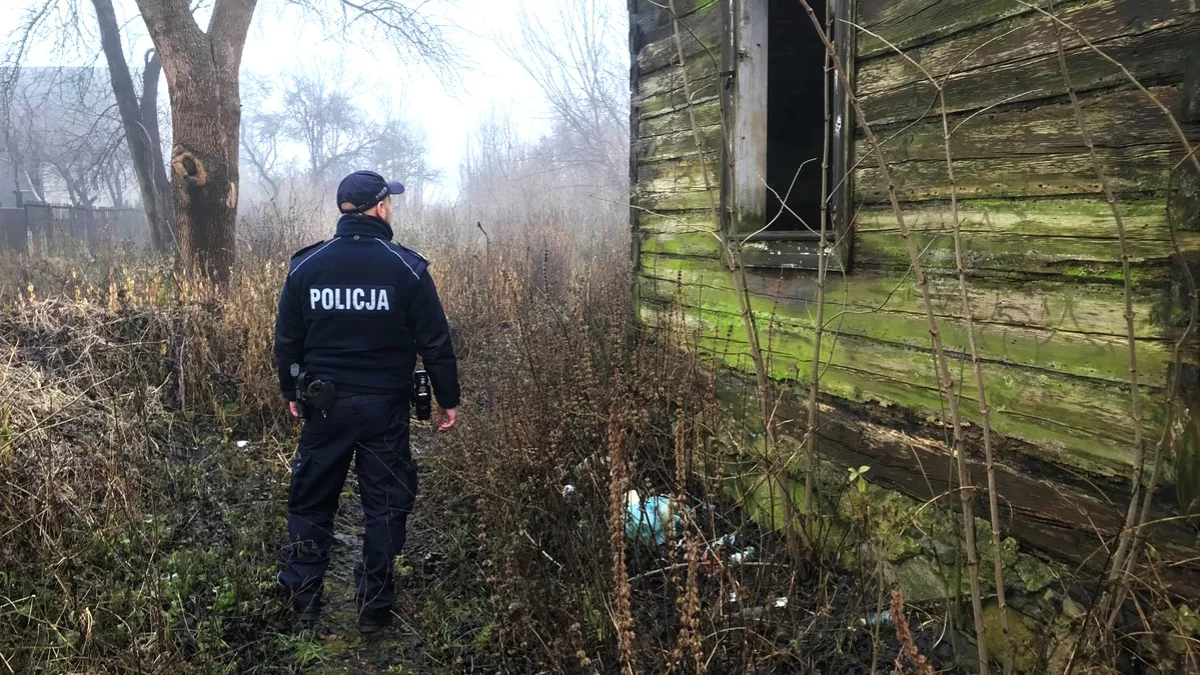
(795, 116)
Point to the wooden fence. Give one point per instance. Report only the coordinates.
(53, 229)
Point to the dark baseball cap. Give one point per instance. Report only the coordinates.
(365, 189)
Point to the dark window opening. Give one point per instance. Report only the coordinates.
(795, 116)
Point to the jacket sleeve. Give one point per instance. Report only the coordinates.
(431, 337)
(290, 332)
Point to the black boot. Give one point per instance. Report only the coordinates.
(308, 614)
(373, 620)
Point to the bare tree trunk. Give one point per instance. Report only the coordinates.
(141, 134)
(202, 77)
(162, 184)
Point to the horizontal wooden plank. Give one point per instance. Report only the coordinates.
(1062, 305)
(1115, 119)
(699, 35)
(698, 243)
(668, 106)
(1064, 516)
(1058, 217)
(678, 174)
(1009, 252)
(1082, 423)
(663, 91)
(708, 113)
(667, 202)
(1086, 355)
(678, 144)
(1027, 35)
(788, 254)
(651, 19)
(1135, 170)
(1157, 56)
(679, 222)
(905, 23)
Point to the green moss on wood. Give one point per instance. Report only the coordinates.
(904, 23)
(1094, 356)
(1060, 217)
(700, 36)
(663, 90)
(1070, 421)
(1024, 644)
(685, 173)
(1011, 252)
(1059, 305)
(680, 222)
(1119, 119)
(1159, 54)
(678, 144)
(1017, 38)
(1135, 170)
(707, 114)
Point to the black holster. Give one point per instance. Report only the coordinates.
(312, 395)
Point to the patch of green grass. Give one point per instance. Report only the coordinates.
(304, 648)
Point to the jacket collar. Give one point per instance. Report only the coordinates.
(358, 224)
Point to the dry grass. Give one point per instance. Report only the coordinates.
(137, 536)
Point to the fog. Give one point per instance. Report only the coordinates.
(399, 108)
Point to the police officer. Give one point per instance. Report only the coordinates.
(355, 311)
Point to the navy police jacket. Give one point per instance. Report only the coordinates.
(357, 309)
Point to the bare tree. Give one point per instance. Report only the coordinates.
(401, 152)
(319, 112)
(202, 69)
(23, 154)
(139, 117)
(201, 66)
(262, 138)
(577, 172)
(63, 135)
(315, 112)
(573, 60)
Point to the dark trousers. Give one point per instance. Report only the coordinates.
(372, 429)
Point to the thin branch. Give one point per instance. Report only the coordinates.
(946, 381)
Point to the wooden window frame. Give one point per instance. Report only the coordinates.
(744, 164)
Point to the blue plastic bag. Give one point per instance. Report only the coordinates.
(646, 520)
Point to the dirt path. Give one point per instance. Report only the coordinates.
(437, 623)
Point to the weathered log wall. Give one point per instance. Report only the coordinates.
(1043, 255)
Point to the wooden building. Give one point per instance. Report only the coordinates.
(729, 126)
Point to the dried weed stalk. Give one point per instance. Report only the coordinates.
(778, 463)
(976, 360)
(945, 379)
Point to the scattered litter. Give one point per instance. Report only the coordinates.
(733, 596)
(724, 540)
(648, 519)
(757, 613)
(754, 612)
(568, 490)
(745, 555)
(884, 617)
(711, 559)
(242, 445)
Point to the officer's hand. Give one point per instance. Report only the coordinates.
(292, 406)
(446, 419)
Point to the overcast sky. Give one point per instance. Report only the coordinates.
(446, 114)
